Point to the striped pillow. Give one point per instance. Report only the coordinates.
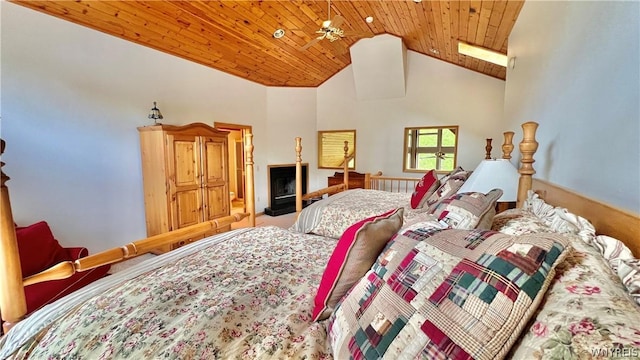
(353, 255)
(449, 185)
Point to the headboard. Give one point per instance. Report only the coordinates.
(608, 220)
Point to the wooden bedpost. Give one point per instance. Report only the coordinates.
(528, 147)
(298, 174)
(346, 165)
(12, 300)
(507, 147)
(487, 148)
(250, 184)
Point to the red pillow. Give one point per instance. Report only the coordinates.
(424, 188)
(38, 249)
(357, 249)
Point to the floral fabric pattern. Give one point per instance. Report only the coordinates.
(333, 215)
(587, 314)
(518, 222)
(249, 297)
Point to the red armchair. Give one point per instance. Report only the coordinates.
(39, 250)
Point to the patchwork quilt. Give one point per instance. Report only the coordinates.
(454, 294)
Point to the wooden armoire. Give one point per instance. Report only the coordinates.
(185, 173)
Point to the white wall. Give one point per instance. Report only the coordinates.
(291, 113)
(437, 93)
(577, 74)
(72, 99)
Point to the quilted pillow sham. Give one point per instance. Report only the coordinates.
(449, 185)
(468, 211)
(451, 293)
(424, 188)
(353, 255)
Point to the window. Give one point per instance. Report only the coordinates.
(331, 149)
(427, 148)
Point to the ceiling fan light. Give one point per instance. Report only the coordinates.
(326, 23)
(278, 33)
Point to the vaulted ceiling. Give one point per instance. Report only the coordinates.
(237, 37)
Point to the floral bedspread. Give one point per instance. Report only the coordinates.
(587, 314)
(330, 217)
(248, 297)
(248, 294)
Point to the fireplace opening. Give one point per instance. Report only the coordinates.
(282, 188)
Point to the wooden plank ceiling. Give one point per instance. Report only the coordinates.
(237, 36)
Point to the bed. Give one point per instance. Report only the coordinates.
(343, 206)
(252, 293)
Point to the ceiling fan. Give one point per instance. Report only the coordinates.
(330, 30)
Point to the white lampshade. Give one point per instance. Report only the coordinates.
(494, 174)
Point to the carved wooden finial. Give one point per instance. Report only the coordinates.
(299, 174)
(3, 176)
(248, 149)
(346, 165)
(487, 155)
(528, 147)
(249, 191)
(507, 147)
(298, 149)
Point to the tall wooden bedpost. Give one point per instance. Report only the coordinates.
(298, 174)
(346, 165)
(507, 147)
(12, 300)
(487, 149)
(528, 147)
(250, 190)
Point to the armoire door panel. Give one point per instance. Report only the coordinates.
(214, 165)
(187, 208)
(217, 201)
(186, 161)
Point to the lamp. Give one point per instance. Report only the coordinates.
(492, 174)
(155, 114)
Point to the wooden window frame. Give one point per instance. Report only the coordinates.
(411, 150)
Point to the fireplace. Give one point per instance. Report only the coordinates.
(282, 188)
